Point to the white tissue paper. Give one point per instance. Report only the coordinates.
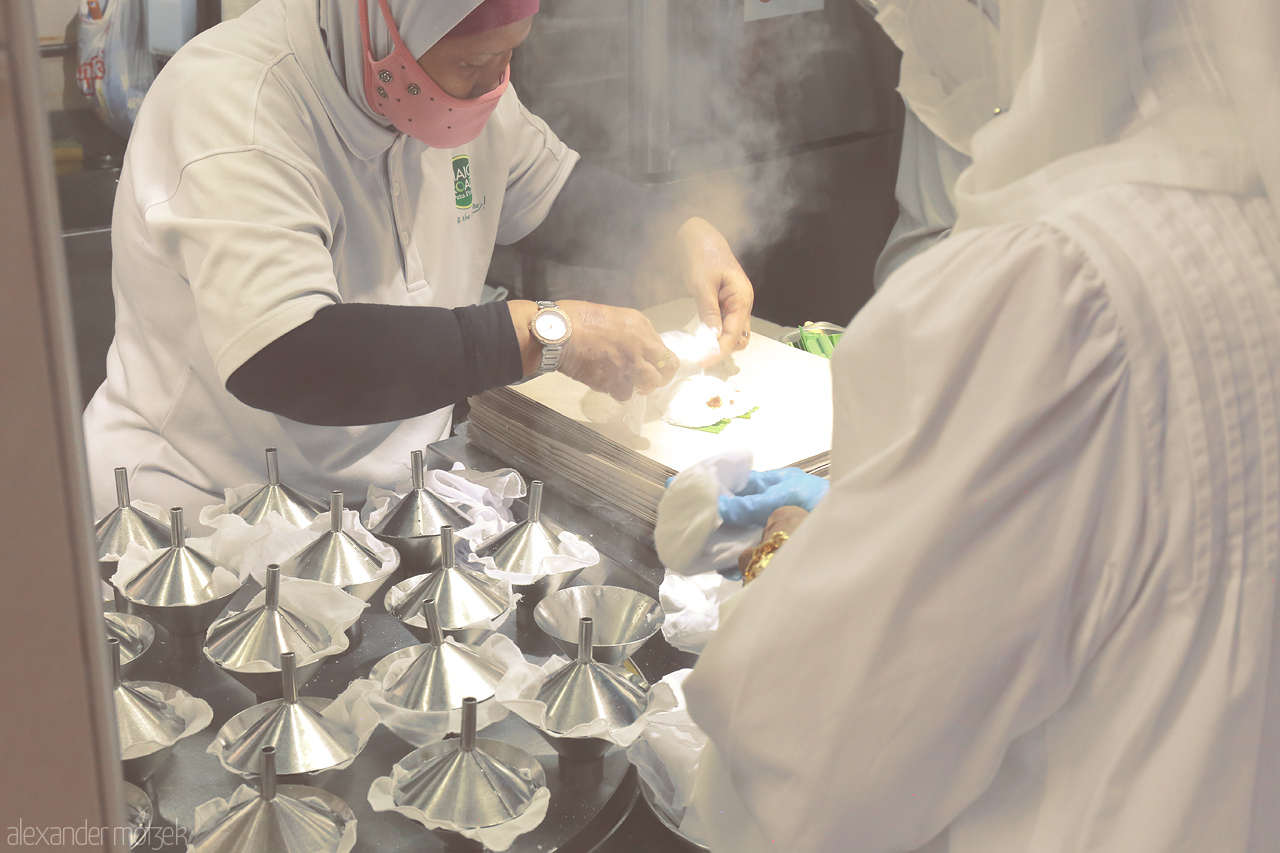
(483, 497)
(423, 727)
(236, 543)
(496, 838)
(667, 752)
(399, 592)
(195, 713)
(210, 813)
(136, 558)
(692, 608)
(518, 690)
(349, 710)
(690, 536)
(334, 609)
(575, 553)
(693, 345)
(274, 541)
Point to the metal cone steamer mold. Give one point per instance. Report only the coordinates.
(130, 523)
(138, 813)
(342, 553)
(254, 502)
(483, 790)
(180, 588)
(311, 735)
(151, 717)
(274, 818)
(418, 691)
(481, 501)
(581, 707)
(410, 518)
(666, 757)
(308, 618)
(536, 555)
(468, 604)
(622, 620)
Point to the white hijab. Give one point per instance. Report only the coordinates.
(1092, 92)
(422, 23)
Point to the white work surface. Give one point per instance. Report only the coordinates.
(791, 387)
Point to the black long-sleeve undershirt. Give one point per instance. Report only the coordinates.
(358, 363)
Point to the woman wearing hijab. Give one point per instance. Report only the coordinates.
(1036, 610)
(305, 217)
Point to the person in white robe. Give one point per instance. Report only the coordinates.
(1036, 611)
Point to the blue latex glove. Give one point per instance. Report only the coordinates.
(769, 490)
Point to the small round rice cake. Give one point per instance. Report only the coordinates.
(700, 401)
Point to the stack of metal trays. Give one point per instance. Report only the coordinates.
(557, 430)
(582, 464)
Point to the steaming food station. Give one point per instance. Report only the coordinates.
(487, 653)
(468, 662)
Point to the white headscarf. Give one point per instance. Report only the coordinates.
(422, 23)
(1092, 92)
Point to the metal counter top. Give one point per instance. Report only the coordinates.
(588, 802)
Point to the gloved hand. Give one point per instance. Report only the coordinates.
(769, 490)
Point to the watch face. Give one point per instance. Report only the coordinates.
(550, 326)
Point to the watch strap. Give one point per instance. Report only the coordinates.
(550, 352)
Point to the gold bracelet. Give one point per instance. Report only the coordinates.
(762, 554)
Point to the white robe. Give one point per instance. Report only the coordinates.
(1034, 614)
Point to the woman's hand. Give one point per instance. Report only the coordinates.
(721, 290)
(615, 350)
(766, 491)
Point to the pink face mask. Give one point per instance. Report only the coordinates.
(400, 90)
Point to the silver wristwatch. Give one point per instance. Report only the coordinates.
(551, 327)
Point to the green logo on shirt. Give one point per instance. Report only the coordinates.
(462, 181)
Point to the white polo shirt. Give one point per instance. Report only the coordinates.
(254, 193)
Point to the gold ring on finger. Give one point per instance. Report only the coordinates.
(662, 362)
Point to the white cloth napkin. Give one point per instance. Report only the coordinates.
(496, 838)
(692, 608)
(690, 536)
(667, 752)
(195, 714)
(693, 345)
